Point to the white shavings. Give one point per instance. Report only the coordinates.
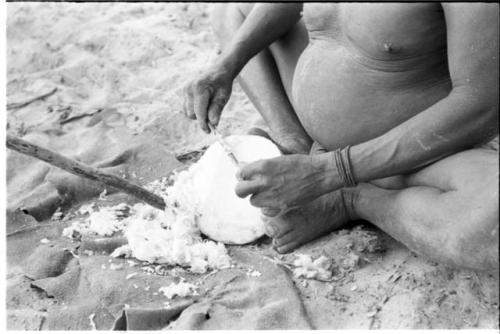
(88, 252)
(45, 241)
(74, 254)
(104, 221)
(319, 269)
(103, 266)
(57, 215)
(87, 208)
(126, 306)
(254, 273)
(129, 276)
(162, 237)
(181, 289)
(122, 210)
(131, 263)
(123, 251)
(115, 266)
(92, 323)
(102, 195)
(351, 261)
(200, 200)
(135, 286)
(74, 231)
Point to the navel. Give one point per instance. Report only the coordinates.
(388, 47)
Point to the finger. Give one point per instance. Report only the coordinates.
(190, 103)
(188, 106)
(258, 201)
(189, 113)
(287, 248)
(248, 171)
(285, 238)
(270, 212)
(184, 102)
(214, 113)
(240, 165)
(200, 103)
(277, 228)
(245, 188)
(217, 104)
(185, 98)
(261, 199)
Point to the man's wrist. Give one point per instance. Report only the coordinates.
(231, 62)
(335, 170)
(330, 179)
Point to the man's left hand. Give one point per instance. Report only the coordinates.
(285, 182)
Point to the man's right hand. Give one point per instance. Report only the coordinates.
(206, 96)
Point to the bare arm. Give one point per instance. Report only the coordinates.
(266, 23)
(207, 95)
(467, 116)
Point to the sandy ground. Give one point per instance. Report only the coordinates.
(135, 58)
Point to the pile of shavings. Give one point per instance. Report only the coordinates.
(319, 269)
(104, 221)
(170, 237)
(181, 289)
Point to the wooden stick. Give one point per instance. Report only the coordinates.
(19, 105)
(80, 169)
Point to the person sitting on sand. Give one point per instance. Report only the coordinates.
(382, 109)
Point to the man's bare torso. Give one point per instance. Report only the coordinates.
(368, 68)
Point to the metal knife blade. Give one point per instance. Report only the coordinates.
(224, 144)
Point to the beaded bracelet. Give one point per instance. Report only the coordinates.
(343, 164)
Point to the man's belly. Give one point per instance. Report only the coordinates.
(342, 98)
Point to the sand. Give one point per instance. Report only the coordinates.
(135, 59)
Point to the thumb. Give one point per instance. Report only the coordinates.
(214, 112)
(216, 105)
(270, 212)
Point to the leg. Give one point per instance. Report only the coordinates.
(267, 78)
(447, 211)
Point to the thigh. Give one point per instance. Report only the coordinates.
(474, 171)
(285, 51)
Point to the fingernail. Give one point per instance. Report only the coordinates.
(272, 230)
(272, 212)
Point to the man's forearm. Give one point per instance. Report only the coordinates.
(466, 117)
(265, 24)
(455, 123)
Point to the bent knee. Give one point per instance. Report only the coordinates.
(227, 18)
(474, 170)
(474, 243)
